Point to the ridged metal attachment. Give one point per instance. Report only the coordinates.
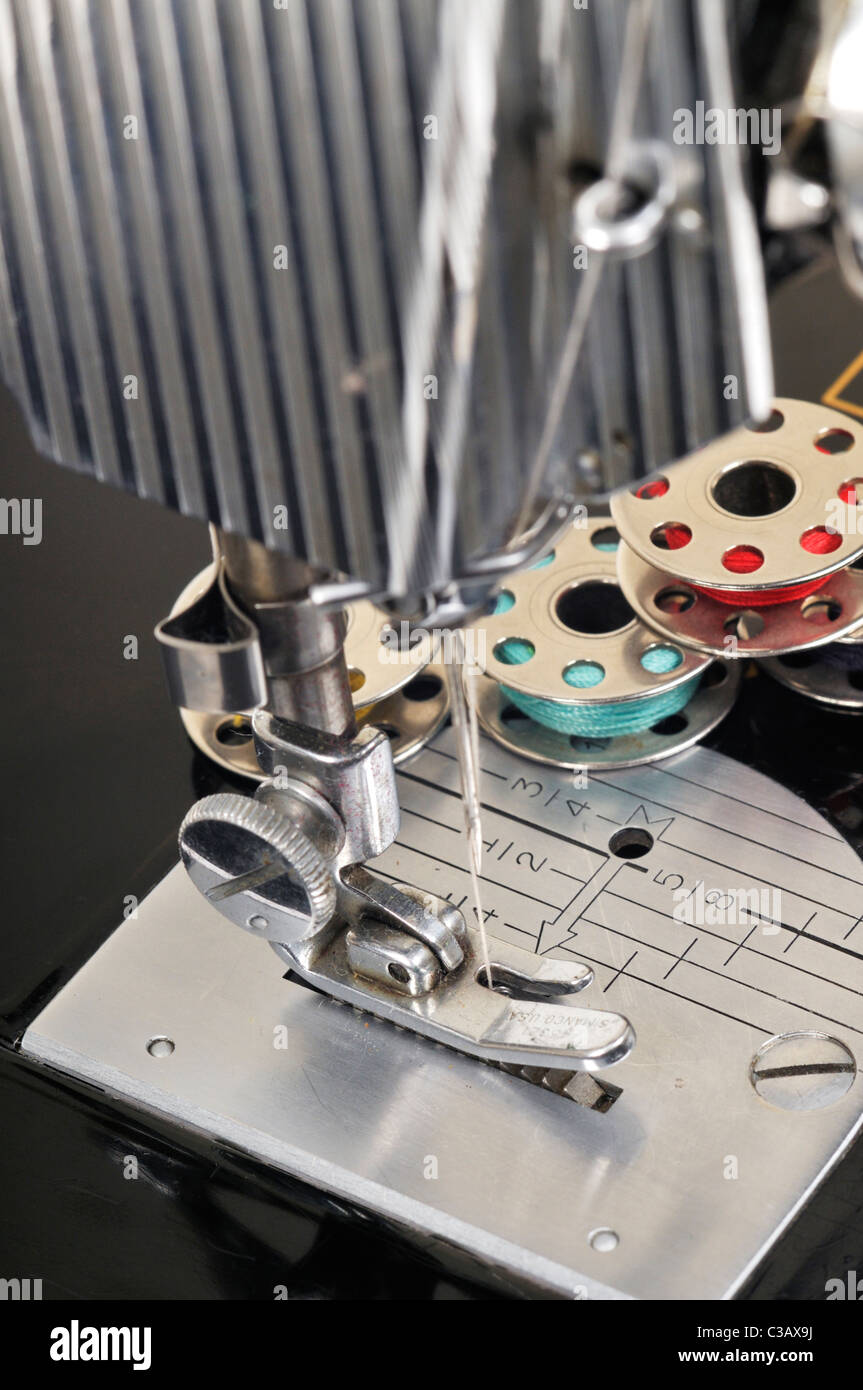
(239, 243)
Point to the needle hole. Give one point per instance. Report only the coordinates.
(631, 842)
(514, 985)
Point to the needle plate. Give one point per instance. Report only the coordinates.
(718, 913)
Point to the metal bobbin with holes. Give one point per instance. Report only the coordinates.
(574, 626)
(564, 634)
(837, 686)
(680, 613)
(761, 509)
(515, 730)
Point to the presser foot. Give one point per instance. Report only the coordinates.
(582, 1087)
(392, 951)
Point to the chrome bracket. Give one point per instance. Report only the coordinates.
(211, 652)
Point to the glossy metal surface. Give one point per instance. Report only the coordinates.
(814, 479)
(108, 781)
(354, 775)
(355, 1107)
(211, 650)
(534, 617)
(276, 878)
(546, 1031)
(833, 686)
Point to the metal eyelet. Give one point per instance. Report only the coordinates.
(649, 169)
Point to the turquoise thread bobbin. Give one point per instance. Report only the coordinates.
(565, 627)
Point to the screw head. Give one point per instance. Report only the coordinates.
(604, 1240)
(259, 869)
(802, 1071)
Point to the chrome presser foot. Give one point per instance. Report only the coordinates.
(285, 865)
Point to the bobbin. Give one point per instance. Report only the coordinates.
(679, 613)
(839, 687)
(512, 728)
(543, 610)
(761, 509)
(588, 655)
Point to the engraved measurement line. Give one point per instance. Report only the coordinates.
(505, 887)
(795, 892)
(660, 950)
(710, 970)
(680, 958)
(507, 815)
(724, 829)
(711, 1008)
(620, 972)
(740, 945)
(398, 878)
(764, 955)
(523, 931)
(450, 758)
(798, 931)
(762, 810)
(431, 820)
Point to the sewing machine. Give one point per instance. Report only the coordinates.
(408, 314)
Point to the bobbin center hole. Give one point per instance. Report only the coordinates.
(594, 607)
(754, 488)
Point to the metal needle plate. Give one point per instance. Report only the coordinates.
(522, 735)
(708, 624)
(524, 1178)
(797, 483)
